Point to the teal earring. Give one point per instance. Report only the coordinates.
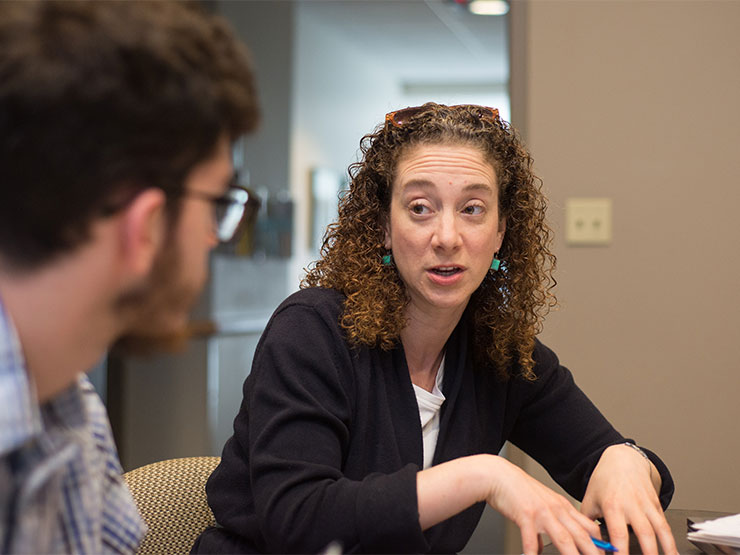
(387, 259)
(495, 263)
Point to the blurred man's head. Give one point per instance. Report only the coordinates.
(119, 111)
(155, 309)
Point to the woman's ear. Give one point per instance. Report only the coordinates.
(386, 225)
(500, 232)
(142, 231)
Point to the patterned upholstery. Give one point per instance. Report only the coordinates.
(171, 497)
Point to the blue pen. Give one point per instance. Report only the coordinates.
(606, 546)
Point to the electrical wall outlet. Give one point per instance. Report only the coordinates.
(588, 221)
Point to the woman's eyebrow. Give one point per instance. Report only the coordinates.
(478, 187)
(427, 184)
(423, 183)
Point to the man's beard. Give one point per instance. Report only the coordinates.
(158, 309)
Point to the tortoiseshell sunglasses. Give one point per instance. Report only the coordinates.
(402, 117)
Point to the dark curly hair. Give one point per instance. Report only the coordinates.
(508, 307)
(101, 100)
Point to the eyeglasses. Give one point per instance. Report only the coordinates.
(401, 117)
(237, 206)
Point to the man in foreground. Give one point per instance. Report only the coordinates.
(116, 122)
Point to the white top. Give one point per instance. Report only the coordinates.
(429, 407)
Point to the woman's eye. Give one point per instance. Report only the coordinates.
(473, 209)
(419, 209)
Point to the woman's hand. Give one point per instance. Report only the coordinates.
(623, 490)
(537, 509)
(448, 488)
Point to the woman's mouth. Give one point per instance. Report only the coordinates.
(446, 271)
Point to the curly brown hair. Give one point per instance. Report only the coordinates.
(508, 307)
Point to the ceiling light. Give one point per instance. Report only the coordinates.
(488, 7)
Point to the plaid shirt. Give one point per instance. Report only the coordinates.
(61, 489)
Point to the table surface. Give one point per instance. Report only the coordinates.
(677, 520)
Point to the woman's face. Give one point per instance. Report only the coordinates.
(444, 226)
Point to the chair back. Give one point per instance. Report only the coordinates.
(171, 497)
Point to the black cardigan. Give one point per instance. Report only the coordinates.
(328, 441)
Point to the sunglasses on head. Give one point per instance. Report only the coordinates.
(401, 117)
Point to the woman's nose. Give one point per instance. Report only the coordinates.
(446, 234)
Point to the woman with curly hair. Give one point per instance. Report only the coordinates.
(382, 392)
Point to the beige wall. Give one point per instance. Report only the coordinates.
(640, 102)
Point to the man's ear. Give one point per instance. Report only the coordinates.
(142, 231)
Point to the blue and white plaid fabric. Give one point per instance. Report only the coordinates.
(61, 489)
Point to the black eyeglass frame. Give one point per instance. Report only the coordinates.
(234, 209)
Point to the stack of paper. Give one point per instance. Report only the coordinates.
(722, 533)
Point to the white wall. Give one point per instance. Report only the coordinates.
(339, 95)
(495, 95)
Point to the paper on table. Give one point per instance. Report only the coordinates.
(723, 531)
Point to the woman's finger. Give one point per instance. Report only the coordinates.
(563, 537)
(582, 534)
(531, 540)
(588, 524)
(645, 534)
(664, 532)
(618, 533)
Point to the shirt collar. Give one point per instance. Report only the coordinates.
(20, 415)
